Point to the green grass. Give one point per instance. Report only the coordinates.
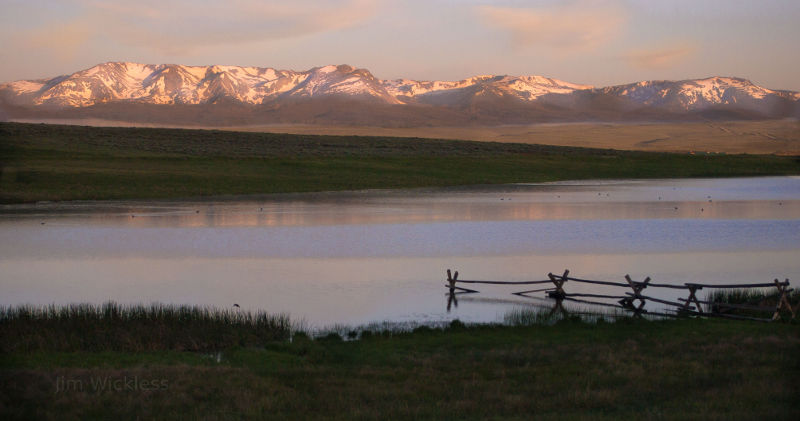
(684, 369)
(50, 162)
(114, 327)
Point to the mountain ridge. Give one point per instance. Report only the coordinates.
(315, 94)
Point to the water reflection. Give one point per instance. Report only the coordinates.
(451, 300)
(373, 256)
(764, 198)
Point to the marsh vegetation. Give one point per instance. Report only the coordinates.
(566, 368)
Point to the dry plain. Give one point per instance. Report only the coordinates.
(780, 137)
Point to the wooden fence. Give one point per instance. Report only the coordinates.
(634, 300)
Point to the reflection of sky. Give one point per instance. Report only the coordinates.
(348, 290)
(485, 238)
(360, 257)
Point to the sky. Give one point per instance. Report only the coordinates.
(595, 42)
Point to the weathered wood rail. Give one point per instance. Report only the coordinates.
(635, 301)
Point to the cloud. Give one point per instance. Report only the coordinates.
(179, 26)
(63, 38)
(660, 58)
(569, 27)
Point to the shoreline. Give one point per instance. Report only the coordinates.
(349, 194)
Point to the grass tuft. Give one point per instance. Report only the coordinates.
(520, 316)
(116, 327)
(766, 298)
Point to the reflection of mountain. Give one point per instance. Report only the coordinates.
(564, 204)
(346, 95)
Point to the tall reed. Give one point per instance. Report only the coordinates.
(756, 297)
(116, 327)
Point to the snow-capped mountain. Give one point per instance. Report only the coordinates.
(354, 96)
(699, 94)
(176, 84)
(526, 88)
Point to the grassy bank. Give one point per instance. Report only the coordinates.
(695, 369)
(49, 162)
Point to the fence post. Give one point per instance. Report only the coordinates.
(451, 296)
(782, 300)
(559, 283)
(451, 279)
(693, 298)
(637, 288)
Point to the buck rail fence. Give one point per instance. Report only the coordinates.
(634, 300)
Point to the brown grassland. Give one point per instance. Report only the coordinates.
(781, 137)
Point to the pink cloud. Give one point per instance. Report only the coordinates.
(569, 27)
(179, 26)
(659, 58)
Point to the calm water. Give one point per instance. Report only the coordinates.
(381, 256)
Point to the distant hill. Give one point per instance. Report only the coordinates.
(235, 95)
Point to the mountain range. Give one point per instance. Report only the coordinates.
(234, 95)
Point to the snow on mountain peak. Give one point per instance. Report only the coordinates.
(698, 94)
(170, 83)
(716, 88)
(173, 83)
(327, 69)
(526, 88)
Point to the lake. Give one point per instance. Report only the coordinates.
(373, 256)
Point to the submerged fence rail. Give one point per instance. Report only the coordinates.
(635, 301)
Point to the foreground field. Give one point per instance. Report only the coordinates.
(685, 369)
(45, 162)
